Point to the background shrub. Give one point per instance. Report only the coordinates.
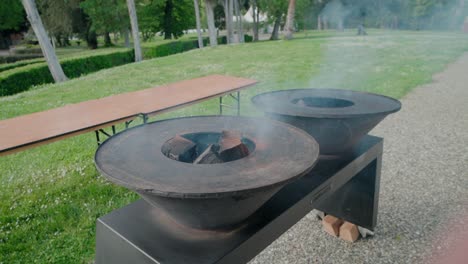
(21, 79)
(15, 58)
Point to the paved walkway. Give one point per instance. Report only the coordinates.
(424, 185)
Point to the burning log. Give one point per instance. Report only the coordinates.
(228, 148)
(180, 149)
(231, 146)
(209, 156)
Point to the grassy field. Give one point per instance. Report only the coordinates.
(51, 195)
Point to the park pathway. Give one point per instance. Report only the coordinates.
(424, 184)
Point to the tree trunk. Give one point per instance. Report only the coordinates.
(197, 16)
(319, 22)
(241, 22)
(258, 22)
(228, 12)
(255, 21)
(91, 39)
(458, 13)
(274, 34)
(126, 34)
(226, 19)
(395, 22)
(66, 40)
(231, 20)
(209, 7)
(107, 39)
(167, 23)
(240, 29)
(340, 24)
(58, 39)
(289, 27)
(135, 31)
(49, 53)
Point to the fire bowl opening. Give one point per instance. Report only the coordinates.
(208, 147)
(219, 196)
(322, 102)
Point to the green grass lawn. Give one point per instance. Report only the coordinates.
(52, 195)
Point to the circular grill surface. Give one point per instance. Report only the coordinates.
(284, 102)
(134, 159)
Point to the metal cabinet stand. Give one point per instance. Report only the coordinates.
(348, 189)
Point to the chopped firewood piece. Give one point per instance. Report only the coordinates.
(301, 103)
(238, 152)
(231, 146)
(229, 139)
(179, 148)
(349, 232)
(331, 225)
(209, 156)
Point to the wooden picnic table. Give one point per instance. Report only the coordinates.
(39, 128)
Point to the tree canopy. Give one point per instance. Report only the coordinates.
(12, 16)
(88, 18)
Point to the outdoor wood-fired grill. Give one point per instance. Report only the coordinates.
(207, 196)
(227, 212)
(336, 118)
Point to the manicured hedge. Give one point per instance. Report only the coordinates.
(37, 51)
(21, 79)
(181, 46)
(15, 58)
(11, 65)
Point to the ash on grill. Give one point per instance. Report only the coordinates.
(228, 148)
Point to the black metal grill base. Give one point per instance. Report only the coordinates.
(349, 189)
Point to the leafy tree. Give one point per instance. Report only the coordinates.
(57, 16)
(12, 15)
(12, 18)
(81, 25)
(169, 17)
(107, 16)
(178, 16)
(147, 21)
(276, 10)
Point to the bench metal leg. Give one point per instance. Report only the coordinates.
(357, 201)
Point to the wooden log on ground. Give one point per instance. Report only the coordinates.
(349, 232)
(332, 225)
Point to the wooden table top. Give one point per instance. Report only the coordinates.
(34, 129)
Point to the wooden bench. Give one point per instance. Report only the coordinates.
(39, 128)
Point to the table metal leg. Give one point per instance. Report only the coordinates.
(236, 97)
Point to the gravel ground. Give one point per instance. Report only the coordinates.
(424, 186)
